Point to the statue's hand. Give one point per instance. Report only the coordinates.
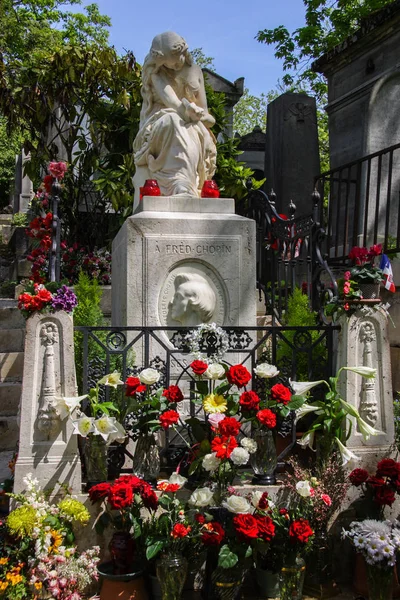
(192, 111)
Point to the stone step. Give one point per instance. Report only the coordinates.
(10, 395)
(9, 433)
(12, 340)
(5, 458)
(11, 366)
(10, 315)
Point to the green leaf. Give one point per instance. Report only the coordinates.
(249, 552)
(154, 549)
(296, 402)
(226, 558)
(202, 387)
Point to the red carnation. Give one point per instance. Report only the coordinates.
(173, 394)
(281, 393)
(199, 367)
(249, 401)
(238, 375)
(223, 446)
(48, 183)
(165, 486)
(358, 476)
(326, 499)
(266, 527)
(300, 531)
(229, 426)
(384, 495)
(213, 534)
(121, 496)
(180, 531)
(133, 386)
(376, 482)
(267, 418)
(149, 497)
(168, 418)
(246, 527)
(283, 511)
(387, 467)
(200, 518)
(99, 491)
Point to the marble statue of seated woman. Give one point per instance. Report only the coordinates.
(174, 144)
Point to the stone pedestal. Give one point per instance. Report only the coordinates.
(47, 447)
(364, 340)
(176, 249)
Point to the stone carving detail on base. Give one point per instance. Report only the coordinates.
(368, 404)
(48, 421)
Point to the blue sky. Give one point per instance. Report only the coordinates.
(225, 29)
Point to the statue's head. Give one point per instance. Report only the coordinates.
(170, 50)
(194, 300)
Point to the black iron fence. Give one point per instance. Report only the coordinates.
(363, 199)
(302, 353)
(289, 253)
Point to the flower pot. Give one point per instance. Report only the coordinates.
(130, 586)
(267, 583)
(95, 459)
(146, 460)
(264, 459)
(291, 580)
(370, 291)
(171, 572)
(122, 550)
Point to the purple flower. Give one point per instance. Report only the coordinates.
(64, 299)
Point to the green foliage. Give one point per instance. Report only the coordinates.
(10, 146)
(299, 314)
(87, 313)
(204, 62)
(251, 112)
(20, 219)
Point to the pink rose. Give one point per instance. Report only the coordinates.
(215, 419)
(347, 275)
(326, 499)
(57, 169)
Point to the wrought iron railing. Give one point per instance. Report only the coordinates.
(299, 353)
(289, 254)
(363, 204)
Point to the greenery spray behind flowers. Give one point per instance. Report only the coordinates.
(333, 415)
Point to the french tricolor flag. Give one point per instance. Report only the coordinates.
(387, 273)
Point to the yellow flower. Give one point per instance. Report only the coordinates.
(57, 541)
(3, 585)
(21, 521)
(4, 561)
(214, 403)
(75, 510)
(38, 585)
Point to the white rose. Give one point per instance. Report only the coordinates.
(249, 445)
(265, 371)
(176, 478)
(255, 498)
(239, 456)
(303, 488)
(215, 371)
(211, 462)
(237, 504)
(149, 376)
(201, 497)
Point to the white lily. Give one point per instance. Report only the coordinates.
(307, 440)
(367, 372)
(117, 436)
(301, 388)
(346, 454)
(65, 406)
(350, 409)
(104, 426)
(112, 379)
(178, 479)
(304, 410)
(84, 425)
(366, 430)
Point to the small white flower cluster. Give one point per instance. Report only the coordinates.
(196, 337)
(377, 541)
(239, 456)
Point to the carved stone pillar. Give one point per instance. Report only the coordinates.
(47, 447)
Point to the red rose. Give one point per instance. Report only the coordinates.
(263, 502)
(375, 482)
(283, 512)
(267, 418)
(180, 531)
(238, 375)
(249, 401)
(200, 519)
(266, 527)
(48, 182)
(212, 534)
(384, 495)
(135, 482)
(173, 394)
(149, 497)
(133, 386)
(57, 169)
(358, 476)
(246, 527)
(223, 446)
(121, 496)
(281, 393)
(168, 418)
(300, 531)
(99, 491)
(199, 367)
(229, 426)
(387, 467)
